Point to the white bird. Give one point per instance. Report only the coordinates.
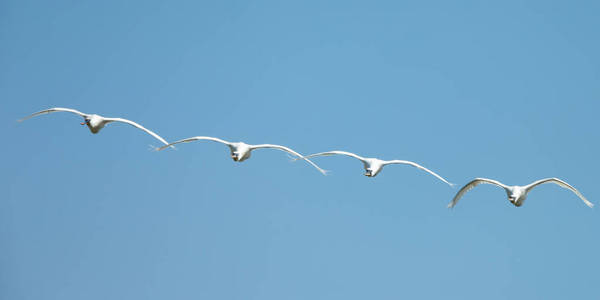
(516, 194)
(95, 122)
(373, 165)
(241, 151)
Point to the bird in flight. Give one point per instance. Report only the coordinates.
(516, 194)
(373, 165)
(96, 122)
(241, 151)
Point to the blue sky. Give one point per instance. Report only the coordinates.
(506, 89)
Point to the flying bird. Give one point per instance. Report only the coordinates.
(241, 151)
(516, 194)
(373, 165)
(95, 122)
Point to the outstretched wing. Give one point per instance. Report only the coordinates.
(475, 182)
(138, 126)
(196, 138)
(562, 184)
(290, 151)
(410, 163)
(336, 152)
(51, 110)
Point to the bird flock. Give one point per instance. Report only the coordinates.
(241, 151)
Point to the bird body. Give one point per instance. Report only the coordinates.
(95, 123)
(240, 151)
(373, 166)
(516, 195)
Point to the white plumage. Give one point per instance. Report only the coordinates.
(373, 165)
(516, 194)
(95, 122)
(241, 151)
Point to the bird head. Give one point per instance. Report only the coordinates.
(235, 156)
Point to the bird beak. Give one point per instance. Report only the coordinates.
(82, 123)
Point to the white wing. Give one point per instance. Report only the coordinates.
(196, 138)
(471, 185)
(290, 151)
(406, 162)
(336, 152)
(136, 125)
(562, 184)
(55, 109)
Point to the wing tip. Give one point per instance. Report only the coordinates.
(153, 148)
(24, 118)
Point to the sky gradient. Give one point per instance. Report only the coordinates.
(508, 90)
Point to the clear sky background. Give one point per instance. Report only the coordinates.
(508, 90)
